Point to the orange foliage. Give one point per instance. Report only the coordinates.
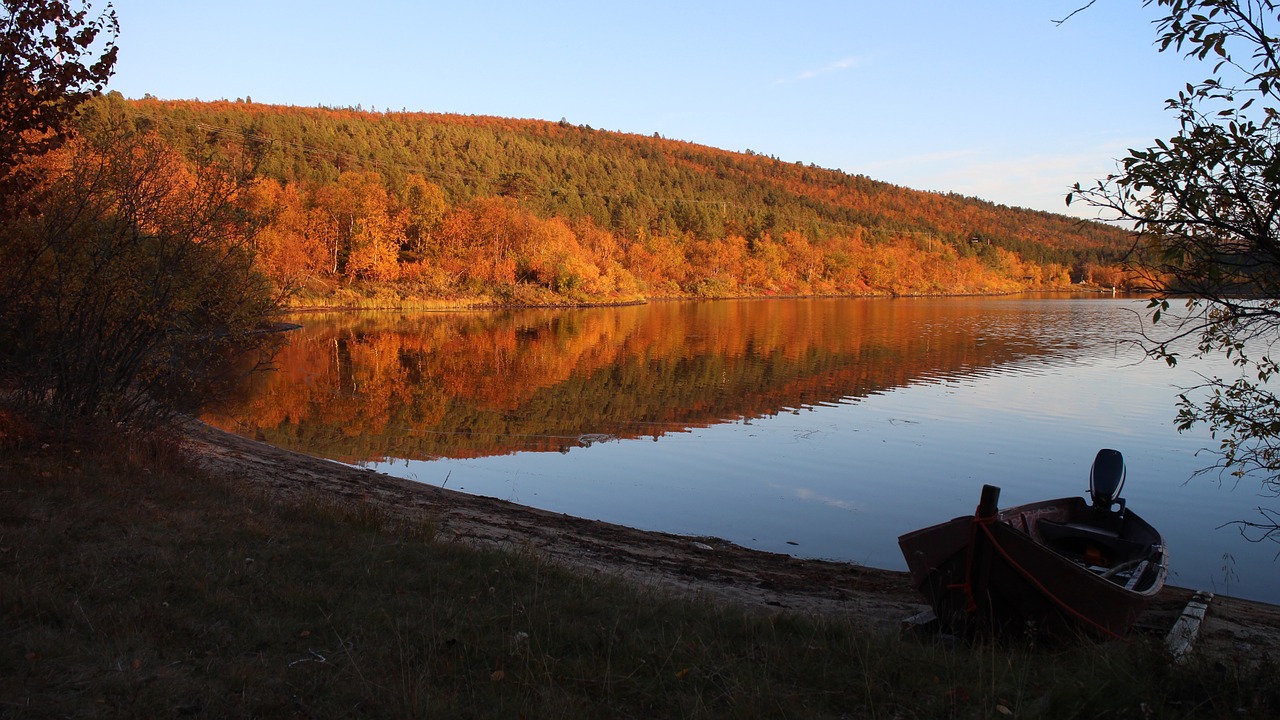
(608, 216)
(476, 240)
(659, 261)
(293, 243)
(370, 225)
(369, 386)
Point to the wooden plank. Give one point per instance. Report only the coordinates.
(1186, 628)
(920, 621)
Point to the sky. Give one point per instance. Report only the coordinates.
(986, 98)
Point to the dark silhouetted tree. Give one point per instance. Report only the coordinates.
(54, 55)
(1206, 207)
(129, 292)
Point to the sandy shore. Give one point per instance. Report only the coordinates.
(692, 566)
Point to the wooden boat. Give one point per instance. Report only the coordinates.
(1052, 567)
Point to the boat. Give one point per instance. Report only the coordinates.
(1054, 567)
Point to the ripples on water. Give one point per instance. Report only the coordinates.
(820, 428)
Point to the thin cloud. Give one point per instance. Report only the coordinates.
(841, 65)
(1033, 180)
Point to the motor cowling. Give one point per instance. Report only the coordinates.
(1106, 478)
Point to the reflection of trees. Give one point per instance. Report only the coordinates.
(468, 384)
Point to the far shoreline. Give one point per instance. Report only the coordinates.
(488, 304)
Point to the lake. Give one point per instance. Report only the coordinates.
(814, 427)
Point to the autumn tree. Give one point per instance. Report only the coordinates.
(551, 256)
(718, 263)
(1206, 207)
(764, 268)
(479, 239)
(660, 262)
(607, 255)
(425, 206)
(370, 226)
(294, 241)
(129, 293)
(54, 55)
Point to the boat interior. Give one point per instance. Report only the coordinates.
(1103, 536)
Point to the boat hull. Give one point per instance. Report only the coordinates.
(1008, 574)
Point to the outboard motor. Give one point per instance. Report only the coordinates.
(1105, 480)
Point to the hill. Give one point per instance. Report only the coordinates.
(531, 211)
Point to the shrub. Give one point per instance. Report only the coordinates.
(129, 292)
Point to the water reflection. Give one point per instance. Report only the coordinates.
(367, 386)
(821, 428)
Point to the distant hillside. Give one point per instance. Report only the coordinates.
(534, 211)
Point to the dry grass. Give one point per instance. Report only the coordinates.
(131, 586)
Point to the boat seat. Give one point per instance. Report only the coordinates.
(1138, 574)
(1076, 539)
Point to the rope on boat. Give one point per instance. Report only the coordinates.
(971, 605)
(985, 523)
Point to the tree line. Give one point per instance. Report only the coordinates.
(531, 212)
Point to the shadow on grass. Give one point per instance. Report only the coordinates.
(132, 585)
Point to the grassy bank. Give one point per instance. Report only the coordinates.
(405, 296)
(131, 585)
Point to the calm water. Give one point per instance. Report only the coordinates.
(819, 428)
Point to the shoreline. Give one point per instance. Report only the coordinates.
(684, 565)
(481, 303)
(699, 567)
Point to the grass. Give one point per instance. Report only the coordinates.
(416, 297)
(378, 297)
(133, 586)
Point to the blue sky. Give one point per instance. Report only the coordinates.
(986, 98)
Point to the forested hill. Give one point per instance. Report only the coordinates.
(529, 211)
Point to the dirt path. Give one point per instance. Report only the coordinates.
(692, 566)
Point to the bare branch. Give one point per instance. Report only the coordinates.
(1075, 12)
